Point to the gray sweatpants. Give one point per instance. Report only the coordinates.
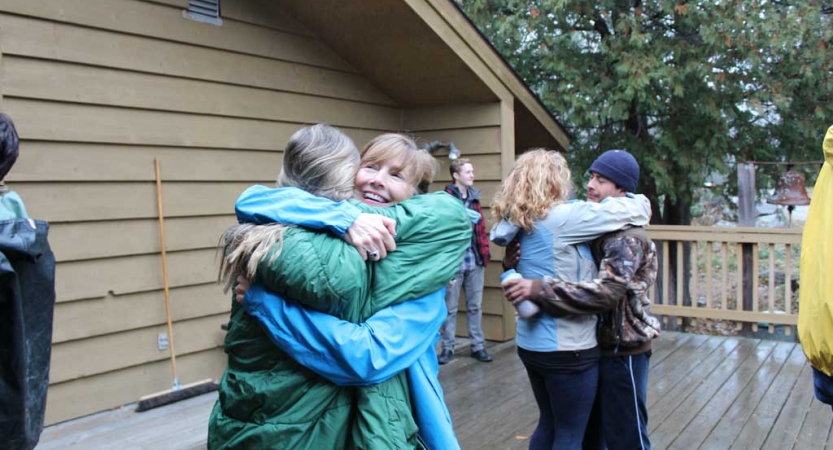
(472, 282)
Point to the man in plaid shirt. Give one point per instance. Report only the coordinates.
(472, 271)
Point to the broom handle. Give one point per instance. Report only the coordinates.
(165, 273)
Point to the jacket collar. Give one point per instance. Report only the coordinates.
(474, 193)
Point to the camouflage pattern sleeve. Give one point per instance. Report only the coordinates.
(642, 281)
(617, 275)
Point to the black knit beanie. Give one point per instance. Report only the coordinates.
(9, 144)
(619, 167)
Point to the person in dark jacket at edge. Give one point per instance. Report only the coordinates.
(27, 302)
(627, 269)
(472, 271)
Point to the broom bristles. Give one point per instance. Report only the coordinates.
(174, 395)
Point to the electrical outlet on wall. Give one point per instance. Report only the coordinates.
(162, 341)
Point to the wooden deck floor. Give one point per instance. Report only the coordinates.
(706, 392)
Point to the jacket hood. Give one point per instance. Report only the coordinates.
(19, 240)
(828, 146)
(473, 192)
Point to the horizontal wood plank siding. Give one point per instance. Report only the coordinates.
(164, 22)
(38, 79)
(70, 202)
(265, 13)
(118, 162)
(96, 278)
(475, 129)
(108, 390)
(101, 354)
(473, 141)
(258, 12)
(104, 124)
(25, 36)
(145, 310)
(135, 237)
(452, 117)
(98, 89)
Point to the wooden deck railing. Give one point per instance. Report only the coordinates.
(716, 274)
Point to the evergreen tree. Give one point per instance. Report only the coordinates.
(689, 87)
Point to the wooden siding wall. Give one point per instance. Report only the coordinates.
(476, 130)
(98, 89)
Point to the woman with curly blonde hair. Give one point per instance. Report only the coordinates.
(540, 179)
(560, 354)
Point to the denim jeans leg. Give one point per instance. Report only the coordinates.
(473, 282)
(452, 300)
(543, 435)
(823, 386)
(593, 438)
(623, 390)
(564, 396)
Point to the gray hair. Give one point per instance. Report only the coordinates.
(319, 159)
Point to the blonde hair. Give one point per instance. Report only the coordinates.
(539, 179)
(418, 164)
(319, 159)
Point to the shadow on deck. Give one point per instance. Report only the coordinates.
(706, 392)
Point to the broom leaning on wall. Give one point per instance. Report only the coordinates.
(177, 392)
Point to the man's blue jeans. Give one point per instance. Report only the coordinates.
(620, 415)
(564, 384)
(823, 386)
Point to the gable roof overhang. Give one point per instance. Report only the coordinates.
(425, 53)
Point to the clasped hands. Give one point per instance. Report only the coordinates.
(372, 235)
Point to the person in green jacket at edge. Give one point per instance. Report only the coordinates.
(269, 400)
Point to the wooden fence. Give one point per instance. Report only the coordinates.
(745, 275)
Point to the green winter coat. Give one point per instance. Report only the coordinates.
(269, 401)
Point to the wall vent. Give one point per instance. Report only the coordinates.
(207, 11)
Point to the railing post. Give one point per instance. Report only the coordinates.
(746, 218)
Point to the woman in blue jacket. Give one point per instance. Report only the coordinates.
(258, 204)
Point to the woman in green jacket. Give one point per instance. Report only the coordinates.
(268, 400)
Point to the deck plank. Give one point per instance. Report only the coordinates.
(698, 429)
(664, 347)
(665, 375)
(671, 415)
(784, 434)
(707, 392)
(131, 430)
(663, 407)
(816, 426)
(480, 412)
(760, 425)
(724, 434)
